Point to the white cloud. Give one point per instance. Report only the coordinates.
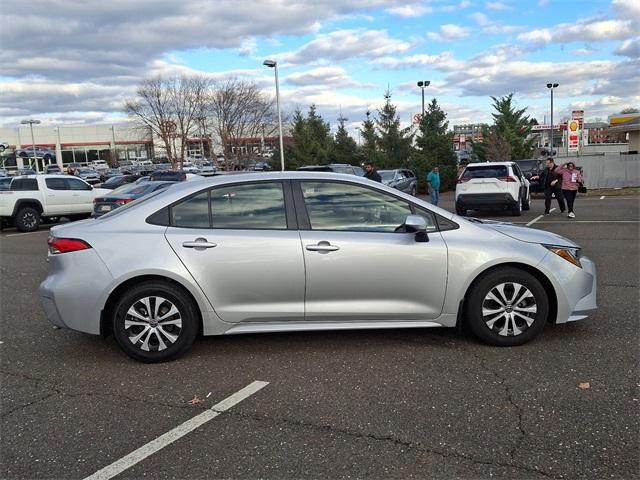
(328, 77)
(585, 31)
(410, 11)
(449, 32)
(497, 6)
(454, 8)
(627, 9)
(442, 61)
(629, 48)
(494, 28)
(582, 52)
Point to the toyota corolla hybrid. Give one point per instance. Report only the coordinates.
(304, 251)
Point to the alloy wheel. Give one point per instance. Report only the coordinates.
(153, 323)
(509, 309)
(29, 220)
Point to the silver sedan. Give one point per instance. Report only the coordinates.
(304, 251)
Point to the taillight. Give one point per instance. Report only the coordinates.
(507, 179)
(123, 201)
(66, 245)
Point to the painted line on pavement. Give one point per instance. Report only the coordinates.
(602, 197)
(538, 218)
(180, 431)
(26, 233)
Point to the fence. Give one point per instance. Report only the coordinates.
(611, 170)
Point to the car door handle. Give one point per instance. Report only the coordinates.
(322, 247)
(199, 243)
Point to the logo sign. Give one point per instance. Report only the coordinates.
(578, 116)
(417, 118)
(573, 132)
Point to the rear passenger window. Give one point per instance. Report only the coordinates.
(192, 212)
(75, 184)
(56, 184)
(24, 184)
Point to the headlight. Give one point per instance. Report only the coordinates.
(571, 255)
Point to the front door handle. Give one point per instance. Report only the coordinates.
(199, 243)
(323, 246)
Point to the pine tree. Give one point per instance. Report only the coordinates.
(368, 151)
(394, 142)
(344, 147)
(434, 147)
(319, 137)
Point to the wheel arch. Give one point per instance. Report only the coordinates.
(27, 202)
(107, 310)
(539, 275)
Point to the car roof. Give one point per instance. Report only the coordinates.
(484, 164)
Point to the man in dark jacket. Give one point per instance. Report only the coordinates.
(552, 184)
(371, 172)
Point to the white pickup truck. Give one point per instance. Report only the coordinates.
(31, 199)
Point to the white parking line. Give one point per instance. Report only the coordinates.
(538, 218)
(26, 233)
(180, 431)
(602, 197)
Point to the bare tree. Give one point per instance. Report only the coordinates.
(239, 110)
(171, 110)
(498, 149)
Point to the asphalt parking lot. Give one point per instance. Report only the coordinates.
(425, 403)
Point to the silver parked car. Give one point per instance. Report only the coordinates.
(401, 179)
(288, 251)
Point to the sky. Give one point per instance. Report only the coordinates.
(76, 61)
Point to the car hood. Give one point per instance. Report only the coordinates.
(529, 235)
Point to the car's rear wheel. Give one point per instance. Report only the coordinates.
(413, 191)
(507, 307)
(461, 211)
(27, 219)
(517, 209)
(155, 321)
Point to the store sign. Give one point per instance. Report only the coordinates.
(573, 132)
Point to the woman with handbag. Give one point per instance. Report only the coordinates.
(572, 181)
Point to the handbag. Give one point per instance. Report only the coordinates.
(582, 188)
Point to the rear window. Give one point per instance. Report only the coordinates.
(486, 171)
(170, 176)
(24, 184)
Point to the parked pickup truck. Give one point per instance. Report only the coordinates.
(34, 198)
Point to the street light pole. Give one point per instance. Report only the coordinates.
(33, 142)
(422, 84)
(273, 64)
(551, 86)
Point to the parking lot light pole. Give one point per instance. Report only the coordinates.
(273, 64)
(551, 86)
(30, 122)
(422, 84)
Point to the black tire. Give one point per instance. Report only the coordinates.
(413, 191)
(27, 219)
(477, 299)
(185, 334)
(461, 211)
(517, 210)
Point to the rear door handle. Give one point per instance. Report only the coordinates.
(199, 243)
(322, 247)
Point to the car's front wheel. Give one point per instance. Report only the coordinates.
(155, 321)
(507, 307)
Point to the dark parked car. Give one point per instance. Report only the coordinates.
(27, 171)
(41, 152)
(400, 179)
(123, 195)
(169, 175)
(117, 181)
(333, 167)
(531, 168)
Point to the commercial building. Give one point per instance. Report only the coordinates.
(463, 135)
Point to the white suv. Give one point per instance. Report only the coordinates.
(492, 186)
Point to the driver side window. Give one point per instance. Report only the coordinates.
(346, 207)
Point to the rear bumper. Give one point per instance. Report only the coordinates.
(486, 200)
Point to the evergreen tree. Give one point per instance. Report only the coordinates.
(511, 125)
(345, 147)
(319, 137)
(434, 147)
(368, 151)
(312, 142)
(394, 142)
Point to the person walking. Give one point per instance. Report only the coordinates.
(552, 184)
(433, 180)
(572, 179)
(371, 173)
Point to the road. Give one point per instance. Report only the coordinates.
(426, 403)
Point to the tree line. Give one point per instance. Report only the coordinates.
(177, 109)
